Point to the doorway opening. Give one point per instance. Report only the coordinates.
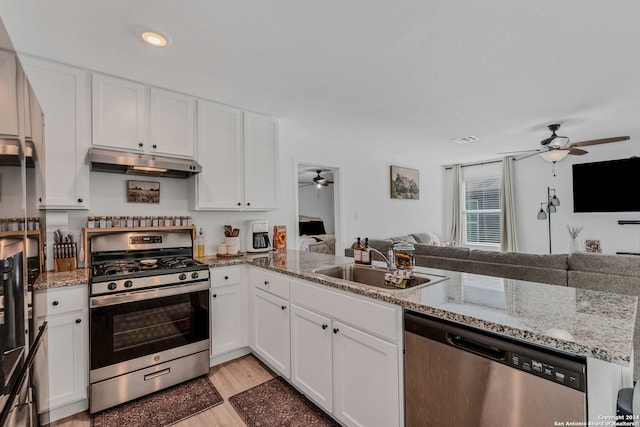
(318, 224)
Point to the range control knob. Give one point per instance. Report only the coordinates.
(128, 284)
(112, 286)
(182, 276)
(194, 275)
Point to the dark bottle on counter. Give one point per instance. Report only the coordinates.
(357, 252)
(366, 252)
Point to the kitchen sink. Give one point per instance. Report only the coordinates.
(374, 276)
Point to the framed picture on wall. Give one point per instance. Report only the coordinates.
(143, 192)
(592, 246)
(405, 183)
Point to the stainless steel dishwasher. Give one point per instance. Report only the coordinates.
(459, 377)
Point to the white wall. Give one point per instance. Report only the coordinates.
(534, 175)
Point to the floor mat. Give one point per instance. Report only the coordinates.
(163, 408)
(276, 403)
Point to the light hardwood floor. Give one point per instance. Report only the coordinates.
(229, 378)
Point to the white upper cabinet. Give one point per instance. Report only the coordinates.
(219, 151)
(238, 154)
(62, 173)
(260, 161)
(132, 116)
(119, 116)
(172, 123)
(8, 95)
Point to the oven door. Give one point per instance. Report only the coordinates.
(128, 326)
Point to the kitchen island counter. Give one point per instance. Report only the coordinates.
(576, 321)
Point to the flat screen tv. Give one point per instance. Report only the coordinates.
(611, 186)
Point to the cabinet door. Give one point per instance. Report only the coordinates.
(119, 116)
(63, 175)
(227, 318)
(172, 122)
(219, 151)
(271, 329)
(8, 95)
(260, 161)
(366, 379)
(63, 369)
(311, 351)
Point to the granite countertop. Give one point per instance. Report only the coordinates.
(577, 321)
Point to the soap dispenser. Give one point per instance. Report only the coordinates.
(357, 252)
(366, 252)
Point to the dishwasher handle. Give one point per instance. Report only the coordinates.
(476, 347)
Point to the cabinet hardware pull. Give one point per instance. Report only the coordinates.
(226, 277)
(324, 326)
(155, 146)
(248, 203)
(140, 144)
(80, 200)
(239, 204)
(266, 282)
(55, 303)
(283, 307)
(78, 320)
(336, 330)
(214, 295)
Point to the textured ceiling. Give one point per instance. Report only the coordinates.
(389, 75)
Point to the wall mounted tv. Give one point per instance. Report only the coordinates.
(611, 186)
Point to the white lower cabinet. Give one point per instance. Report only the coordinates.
(366, 378)
(312, 351)
(62, 369)
(341, 361)
(228, 310)
(271, 331)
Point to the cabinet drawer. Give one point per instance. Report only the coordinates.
(378, 318)
(273, 283)
(227, 275)
(59, 300)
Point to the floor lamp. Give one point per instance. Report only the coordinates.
(552, 202)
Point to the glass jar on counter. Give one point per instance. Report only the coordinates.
(403, 255)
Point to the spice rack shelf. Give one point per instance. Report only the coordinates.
(88, 232)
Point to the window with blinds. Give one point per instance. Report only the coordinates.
(481, 213)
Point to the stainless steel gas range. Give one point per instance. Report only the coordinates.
(149, 315)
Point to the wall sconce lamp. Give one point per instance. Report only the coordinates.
(551, 204)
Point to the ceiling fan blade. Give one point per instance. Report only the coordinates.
(577, 151)
(599, 141)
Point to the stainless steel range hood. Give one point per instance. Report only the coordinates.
(141, 164)
(11, 153)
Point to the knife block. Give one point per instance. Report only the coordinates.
(65, 264)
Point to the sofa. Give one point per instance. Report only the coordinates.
(599, 272)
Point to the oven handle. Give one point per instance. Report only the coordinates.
(105, 300)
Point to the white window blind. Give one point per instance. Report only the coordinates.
(481, 214)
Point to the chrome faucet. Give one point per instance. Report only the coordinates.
(390, 265)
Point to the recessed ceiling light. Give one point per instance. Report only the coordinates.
(465, 139)
(155, 38)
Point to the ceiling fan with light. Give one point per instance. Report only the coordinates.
(319, 181)
(556, 147)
